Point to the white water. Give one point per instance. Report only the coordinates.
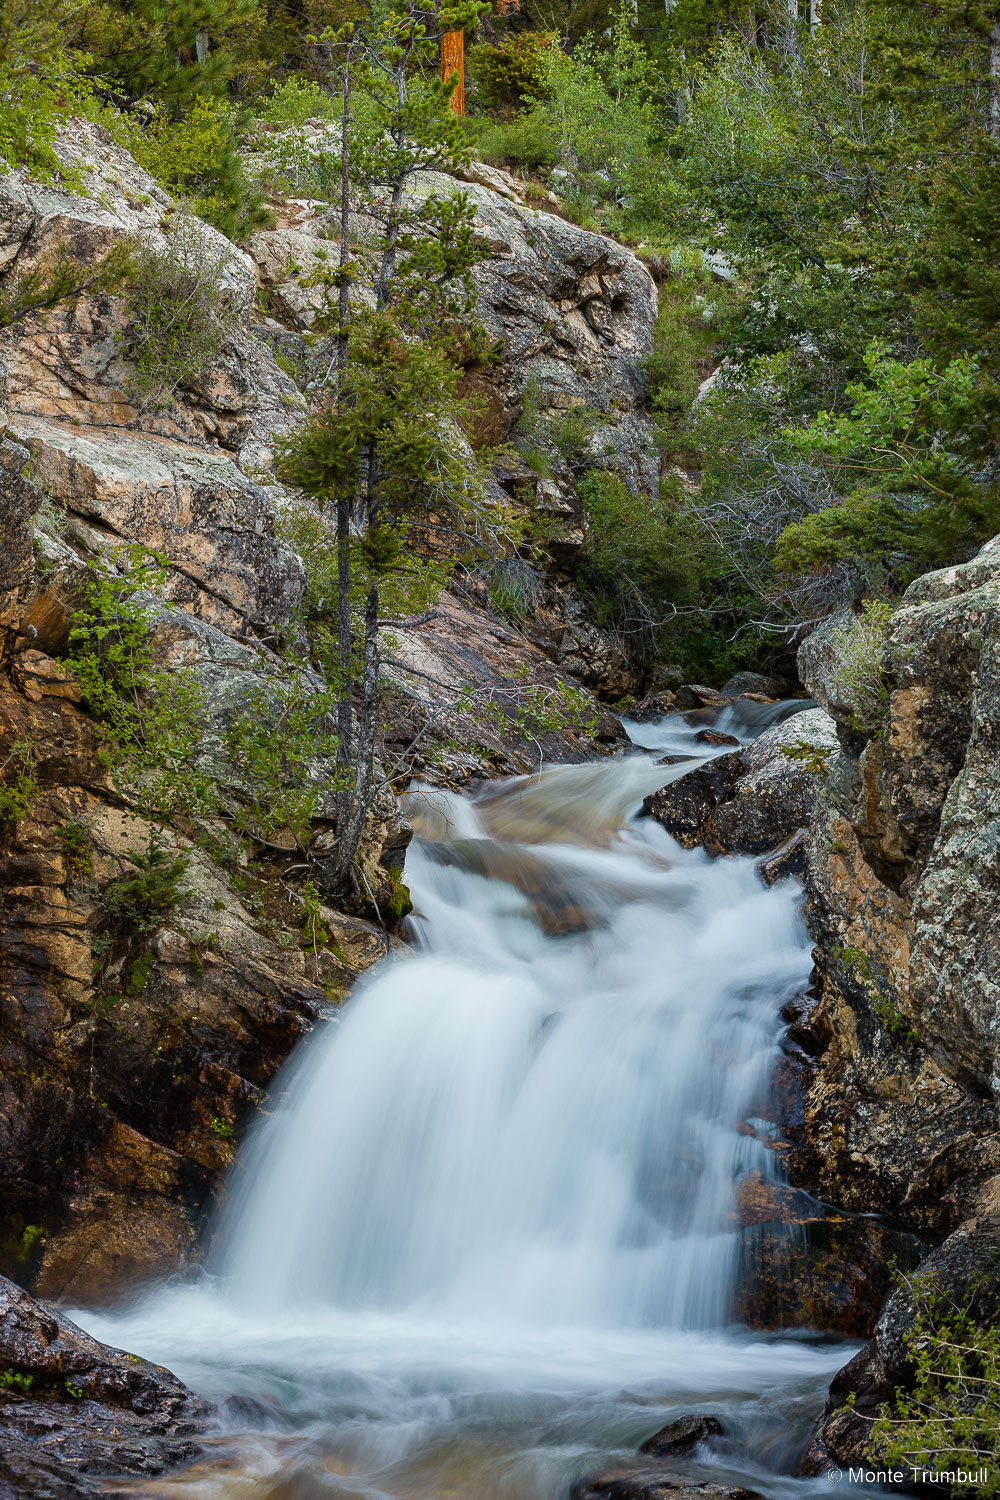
(488, 1236)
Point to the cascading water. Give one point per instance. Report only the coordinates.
(490, 1228)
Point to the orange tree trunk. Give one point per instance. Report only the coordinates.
(453, 61)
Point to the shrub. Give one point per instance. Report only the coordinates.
(638, 561)
(197, 158)
(151, 718)
(137, 904)
(178, 314)
(528, 142)
(275, 742)
(19, 785)
(859, 643)
(683, 339)
(515, 69)
(949, 1419)
(297, 100)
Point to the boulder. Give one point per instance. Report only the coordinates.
(680, 1436)
(75, 1413)
(753, 799)
(636, 1483)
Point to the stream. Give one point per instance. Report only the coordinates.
(486, 1241)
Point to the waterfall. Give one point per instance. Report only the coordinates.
(488, 1234)
(526, 1125)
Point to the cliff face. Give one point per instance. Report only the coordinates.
(134, 1050)
(901, 1107)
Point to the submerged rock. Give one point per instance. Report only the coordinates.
(681, 1436)
(639, 1484)
(74, 1412)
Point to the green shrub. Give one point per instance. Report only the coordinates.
(297, 100)
(275, 740)
(527, 143)
(515, 69)
(151, 717)
(74, 839)
(198, 159)
(179, 316)
(859, 643)
(137, 904)
(949, 1417)
(639, 559)
(686, 331)
(19, 784)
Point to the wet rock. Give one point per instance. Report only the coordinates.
(714, 737)
(74, 1412)
(963, 1273)
(644, 1484)
(756, 798)
(742, 683)
(656, 706)
(807, 1265)
(680, 1436)
(787, 861)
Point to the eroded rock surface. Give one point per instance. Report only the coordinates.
(74, 1412)
(901, 1100)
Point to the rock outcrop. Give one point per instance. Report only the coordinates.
(74, 1413)
(901, 1097)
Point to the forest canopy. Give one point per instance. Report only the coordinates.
(815, 184)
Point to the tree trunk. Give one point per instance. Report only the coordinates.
(453, 62)
(994, 111)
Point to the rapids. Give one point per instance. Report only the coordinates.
(487, 1238)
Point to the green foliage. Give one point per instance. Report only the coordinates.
(179, 315)
(74, 838)
(197, 157)
(639, 559)
(222, 1128)
(278, 741)
(683, 341)
(137, 904)
(314, 932)
(19, 784)
(858, 644)
(906, 453)
(297, 100)
(514, 70)
(151, 717)
(41, 86)
(812, 758)
(16, 1380)
(948, 1416)
(527, 142)
(175, 51)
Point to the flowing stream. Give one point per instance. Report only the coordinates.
(487, 1240)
